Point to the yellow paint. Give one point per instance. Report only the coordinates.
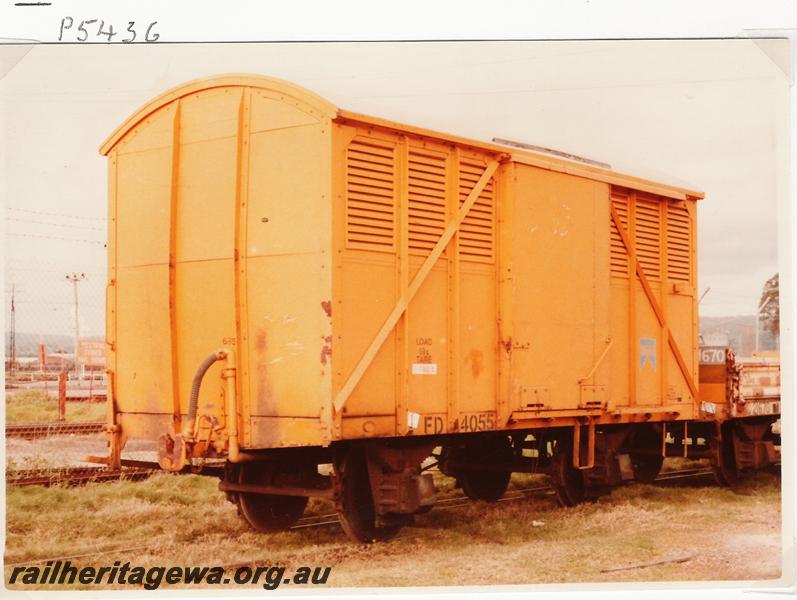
(350, 264)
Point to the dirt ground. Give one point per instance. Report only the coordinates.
(710, 534)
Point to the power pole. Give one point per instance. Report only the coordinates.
(12, 342)
(74, 278)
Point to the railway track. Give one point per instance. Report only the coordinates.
(682, 475)
(445, 503)
(325, 520)
(31, 431)
(74, 475)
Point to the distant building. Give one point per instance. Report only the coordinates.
(715, 338)
(56, 362)
(738, 333)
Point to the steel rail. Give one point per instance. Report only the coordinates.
(72, 476)
(463, 501)
(30, 431)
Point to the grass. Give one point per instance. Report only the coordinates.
(185, 520)
(34, 406)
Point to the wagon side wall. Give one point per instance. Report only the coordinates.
(248, 218)
(653, 363)
(604, 307)
(394, 194)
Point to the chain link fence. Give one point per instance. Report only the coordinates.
(55, 277)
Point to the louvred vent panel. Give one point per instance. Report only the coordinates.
(646, 232)
(427, 199)
(477, 234)
(370, 195)
(679, 242)
(618, 257)
(648, 235)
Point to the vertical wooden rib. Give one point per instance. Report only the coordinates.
(454, 295)
(691, 209)
(173, 199)
(403, 269)
(110, 308)
(504, 218)
(239, 253)
(632, 342)
(499, 196)
(664, 293)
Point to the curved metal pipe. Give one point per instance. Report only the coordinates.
(228, 374)
(193, 402)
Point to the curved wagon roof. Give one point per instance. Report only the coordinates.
(319, 106)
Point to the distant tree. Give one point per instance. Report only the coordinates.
(770, 303)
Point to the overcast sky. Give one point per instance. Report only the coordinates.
(707, 114)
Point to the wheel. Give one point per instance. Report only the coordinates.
(424, 509)
(646, 463)
(488, 486)
(569, 482)
(265, 512)
(356, 505)
(646, 467)
(723, 463)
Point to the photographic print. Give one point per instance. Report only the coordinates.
(314, 316)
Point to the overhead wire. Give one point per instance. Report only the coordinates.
(55, 237)
(56, 214)
(67, 226)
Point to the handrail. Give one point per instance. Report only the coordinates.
(609, 341)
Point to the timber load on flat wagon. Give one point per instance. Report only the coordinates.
(293, 285)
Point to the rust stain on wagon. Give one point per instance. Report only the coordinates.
(263, 392)
(326, 305)
(260, 341)
(326, 351)
(476, 360)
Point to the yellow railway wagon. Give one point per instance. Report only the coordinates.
(356, 291)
